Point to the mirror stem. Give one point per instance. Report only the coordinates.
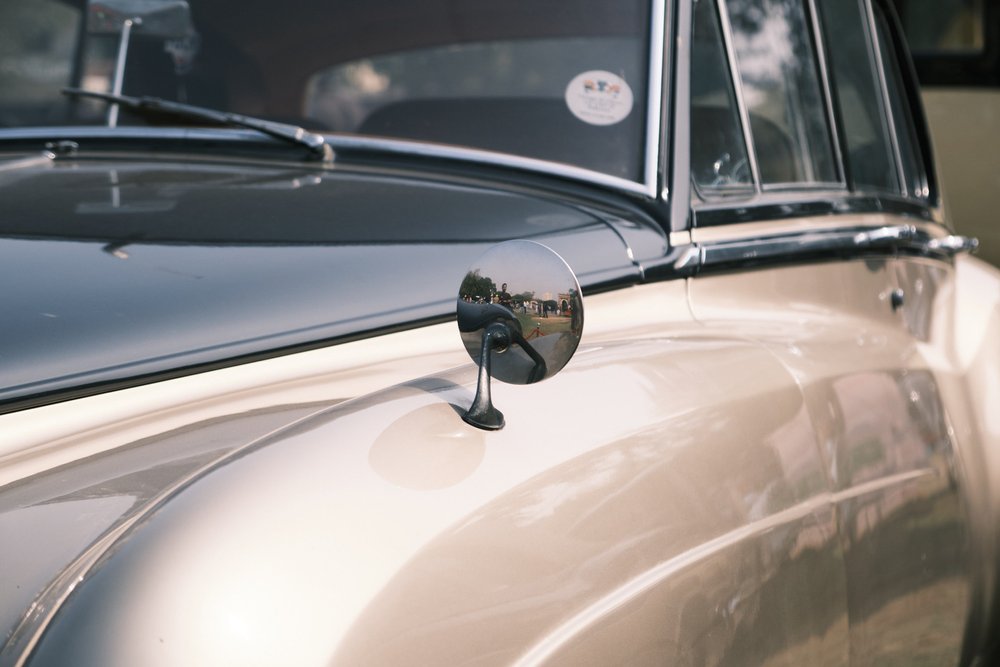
(482, 414)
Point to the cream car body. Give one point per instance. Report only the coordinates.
(774, 445)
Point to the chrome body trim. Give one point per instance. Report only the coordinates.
(791, 243)
(955, 244)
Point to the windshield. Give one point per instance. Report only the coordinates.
(560, 81)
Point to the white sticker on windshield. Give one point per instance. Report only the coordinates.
(599, 98)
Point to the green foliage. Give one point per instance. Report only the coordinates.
(477, 287)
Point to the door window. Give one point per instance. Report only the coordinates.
(912, 167)
(719, 160)
(782, 90)
(859, 97)
(37, 42)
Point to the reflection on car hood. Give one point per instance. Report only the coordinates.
(116, 270)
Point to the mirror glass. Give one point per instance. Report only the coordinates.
(529, 288)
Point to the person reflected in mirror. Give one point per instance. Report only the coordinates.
(504, 298)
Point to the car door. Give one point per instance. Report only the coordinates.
(833, 172)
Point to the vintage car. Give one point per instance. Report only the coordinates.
(454, 332)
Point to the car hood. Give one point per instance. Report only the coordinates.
(120, 271)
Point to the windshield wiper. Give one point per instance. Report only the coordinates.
(316, 144)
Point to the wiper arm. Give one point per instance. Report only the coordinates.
(291, 133)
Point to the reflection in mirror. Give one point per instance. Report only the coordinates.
(520, 315)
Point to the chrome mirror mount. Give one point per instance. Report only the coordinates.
(515, 287)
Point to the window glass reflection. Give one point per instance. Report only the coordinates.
(719, 162)
(859, 96)
(781, 86)
(906, 135)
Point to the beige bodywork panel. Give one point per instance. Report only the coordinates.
(755, 468)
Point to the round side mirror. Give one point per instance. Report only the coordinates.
(520, 315)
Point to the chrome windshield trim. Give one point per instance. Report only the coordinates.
(654, 95)
(431, 150)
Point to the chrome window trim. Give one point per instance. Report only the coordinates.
(787, 205)
(802, 185)
(737, 83)
(654, 97)
(678, 158)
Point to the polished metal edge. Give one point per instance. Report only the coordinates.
(429, 150)
(654, 94)
(896, 236)
(790, 204)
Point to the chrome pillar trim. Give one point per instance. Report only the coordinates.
(654, 95)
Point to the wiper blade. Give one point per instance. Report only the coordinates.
(316, 144)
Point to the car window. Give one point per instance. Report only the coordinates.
(781, 86)
(517, 96)
(37, 43)
(858, 92)
(719, 160)
(564, 81)
(912, 168)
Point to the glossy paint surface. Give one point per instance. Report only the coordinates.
(873, 376)
(450, 523)
(115, 270)
(773, 467)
